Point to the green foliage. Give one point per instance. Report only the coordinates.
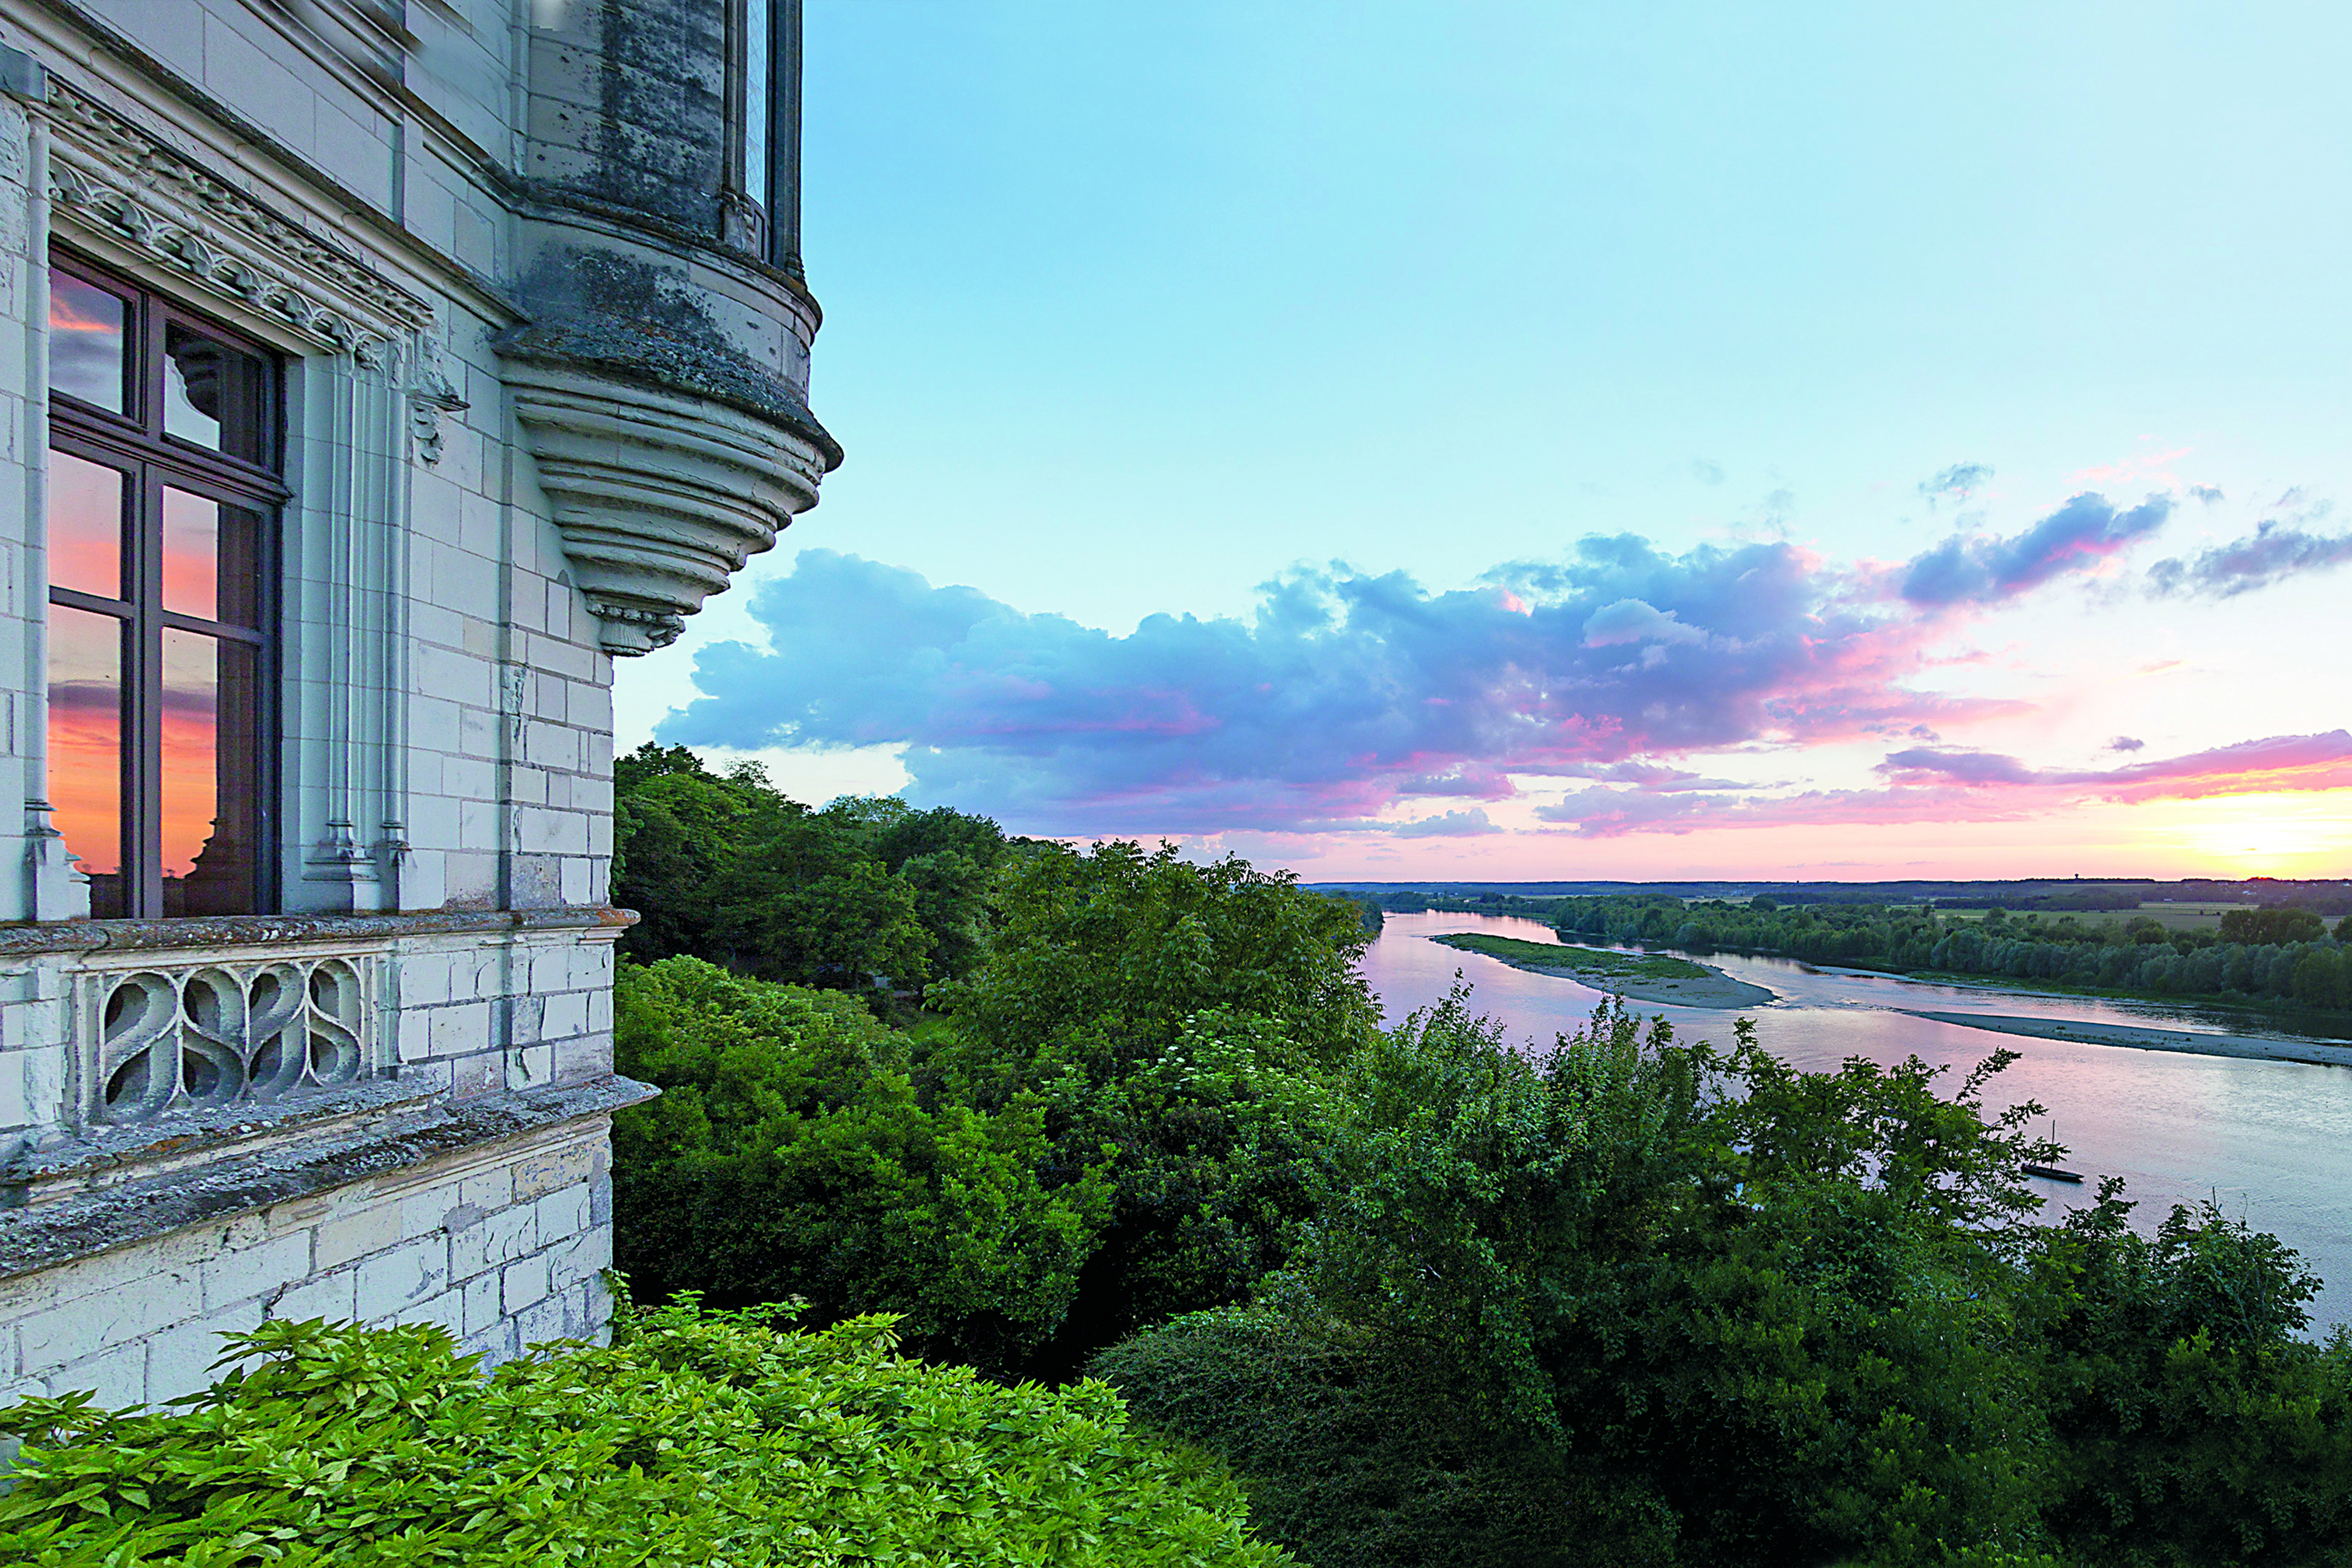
(1744, 1314)
(1361, 1458)
(1105, 1130)
(2274, 956)
(694, 1441)
(1101, 960)
(2271, 925)
(2193, 1428)
(1589, 961)
(726, 868)
(1169, 1016)
(807, 902)
(789, 1154)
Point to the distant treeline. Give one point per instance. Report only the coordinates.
(2053, 895)
(2268, 955)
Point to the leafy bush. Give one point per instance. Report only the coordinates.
(1360, 1458)
(694, 1441)
(789, 1154)
(1629, 1301)
(1169, 1017)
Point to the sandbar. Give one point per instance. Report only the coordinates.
(1714, 989)
(2140, 1036)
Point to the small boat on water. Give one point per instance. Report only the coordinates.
(2052, 1173)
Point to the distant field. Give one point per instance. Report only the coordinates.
(2172, 917)
(1585, 961)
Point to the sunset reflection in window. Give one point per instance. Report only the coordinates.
(86, 747)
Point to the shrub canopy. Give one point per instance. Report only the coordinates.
(696, 1441)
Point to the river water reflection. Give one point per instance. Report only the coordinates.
(2273, 1141)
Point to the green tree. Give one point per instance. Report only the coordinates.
(725, 867)
(677, 828)
(807, 902)
(2266, 926)
(1168, 1015)
(789, 1154)
(948, 858)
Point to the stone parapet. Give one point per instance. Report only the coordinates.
(492, 1219)
(180, 1032)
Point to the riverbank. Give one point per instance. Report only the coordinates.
(1637, 977)
(2318, 1053)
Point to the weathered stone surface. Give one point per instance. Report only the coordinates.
(137, 1210)
(545, 388)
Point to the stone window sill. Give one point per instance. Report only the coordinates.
(245, 931)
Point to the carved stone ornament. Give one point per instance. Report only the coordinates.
(215, 1033)
(660, 496)
(111, 177)
(431, 395)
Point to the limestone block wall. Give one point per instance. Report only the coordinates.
(502, 1244)
(458, 1005)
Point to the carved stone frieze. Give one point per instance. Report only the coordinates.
(660, 495)
(113, 177)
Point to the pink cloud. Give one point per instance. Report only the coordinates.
(1976, 786)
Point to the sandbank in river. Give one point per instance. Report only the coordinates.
(2319, 1053)
(1616, 974)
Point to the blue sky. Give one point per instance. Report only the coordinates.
(1136, 310)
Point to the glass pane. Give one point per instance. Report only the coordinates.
(211, 564)
(757, 28)
(85, 748)
(86, 334)
(212, 559)
(211, 760)
(85, 525)
(212, 394)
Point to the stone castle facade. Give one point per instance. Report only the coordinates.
(373, 373)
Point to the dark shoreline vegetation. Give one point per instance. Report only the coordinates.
(1427, 1294)
(1594, 962)
(2282, 962)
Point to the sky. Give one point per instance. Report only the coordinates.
(1531, 442)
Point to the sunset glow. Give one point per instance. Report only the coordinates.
(1532, 450)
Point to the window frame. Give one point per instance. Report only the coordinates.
(135, 443)
(777, 199)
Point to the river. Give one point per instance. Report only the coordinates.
(2271, 1141)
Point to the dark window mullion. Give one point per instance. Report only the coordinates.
(145, 697)
(175, 621)
(151, 368)
(95, 603)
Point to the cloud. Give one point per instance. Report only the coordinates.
(2210, 494)
(1975, 786)
(1346, 693)
(2275, 552)
(2126, 744)
(1706, 472)
(1451, 825)
(2083, 532)
(1958, 481)
(1924, 765)
(1631, 620)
